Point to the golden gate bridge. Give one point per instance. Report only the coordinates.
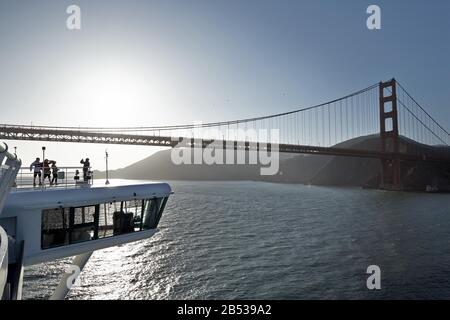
(384, 109)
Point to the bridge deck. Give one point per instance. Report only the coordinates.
(82, 136)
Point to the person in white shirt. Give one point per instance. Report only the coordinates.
(37, 166)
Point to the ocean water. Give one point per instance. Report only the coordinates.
(254, 240)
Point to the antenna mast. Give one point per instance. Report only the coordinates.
(107, 174)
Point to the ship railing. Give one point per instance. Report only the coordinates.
(67, 177)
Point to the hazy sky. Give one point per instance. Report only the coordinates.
(168, 62)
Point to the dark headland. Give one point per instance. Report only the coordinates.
(304, 169)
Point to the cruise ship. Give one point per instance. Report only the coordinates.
(71, 219)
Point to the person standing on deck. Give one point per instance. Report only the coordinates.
(86, 166)
(37, 166)
(54, 173)
(46, 169)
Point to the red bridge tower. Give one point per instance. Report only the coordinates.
(391, 173)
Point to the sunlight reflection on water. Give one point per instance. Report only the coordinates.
(231, 240)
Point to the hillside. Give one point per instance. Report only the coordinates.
(305, 169)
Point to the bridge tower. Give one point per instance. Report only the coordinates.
(391, 173)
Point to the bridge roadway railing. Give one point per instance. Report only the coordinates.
(82, 136)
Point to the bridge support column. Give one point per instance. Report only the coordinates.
(391, 173)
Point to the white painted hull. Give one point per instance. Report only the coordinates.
(49, 224)
(3, 260)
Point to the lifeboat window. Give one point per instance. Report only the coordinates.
(64, 226)
(153, 209)
(83, 223)
(120, 218)
(55, 226)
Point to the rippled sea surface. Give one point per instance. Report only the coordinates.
(253, 240)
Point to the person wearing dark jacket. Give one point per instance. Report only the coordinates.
(46, 168)
(54, 173)
(86, 166)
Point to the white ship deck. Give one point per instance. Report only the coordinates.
(42, 220)
(97, 192)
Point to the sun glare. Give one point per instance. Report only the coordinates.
(114, 96)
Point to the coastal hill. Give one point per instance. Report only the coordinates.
(305, 169)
